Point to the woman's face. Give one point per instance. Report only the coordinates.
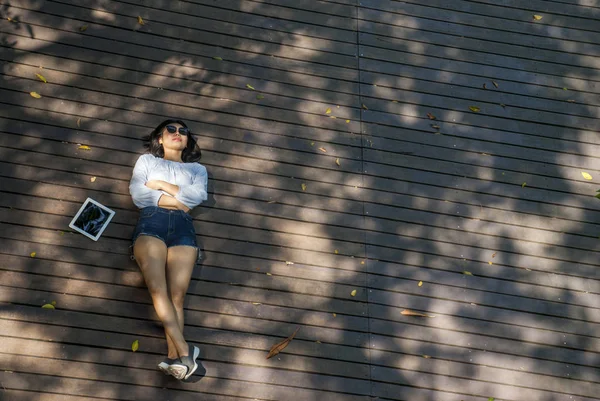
(172, 138)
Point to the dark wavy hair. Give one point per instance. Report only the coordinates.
(190, 154)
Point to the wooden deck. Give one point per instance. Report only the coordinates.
(480, 218)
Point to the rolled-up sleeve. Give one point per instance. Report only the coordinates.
(141, 195)
(197, 192)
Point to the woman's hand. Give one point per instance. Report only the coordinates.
(155, 184)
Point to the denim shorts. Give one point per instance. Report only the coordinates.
(173, 227)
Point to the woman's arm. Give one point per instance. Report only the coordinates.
(163, 186)
(169, 202)
(141, 194)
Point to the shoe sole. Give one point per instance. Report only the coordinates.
(196, 355)
(164, 368)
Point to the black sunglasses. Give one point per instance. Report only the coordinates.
(182, 130)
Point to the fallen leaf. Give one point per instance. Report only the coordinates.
(289, 263)
(426, 356)
(135, 345)
(431, 116)
(303, 186)
(84, 147)
(495, 83)
(256, 303)
(353, 293)
(571, 101)
(48, 306)
(277, 348)
(365, 107)
(79, 123)
(494, 255)
(420, 284)
(312, 144)
(435, 126)
(408, 312)
(523, 185)
(328, 111)
(491, 399)
(586, 175)
(335, 251)
(323, 150)
(484, 86)
(490, 262)
(565, 89)
(337, 161)
(41, 78)
(347, 121)
(503, 105)
(269, 274)
(466, 273)
(260, 97)
(362, 262)
(32, 254)
(474, 109)
(141, 21)
(83, 28)
(334, 117)
(272, 202)
(250, 87)
(93, 179)
(53, 303)
(318, 342)
(334, 314)
(217, 58)
(537, 17)
(35, 95)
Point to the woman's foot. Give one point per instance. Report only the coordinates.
(185, 366)
(165, 364)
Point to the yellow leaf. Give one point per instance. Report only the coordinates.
(141, 21)
(318, 342)
(408, 312)
(312, 144)
(336, 251)
(93, 179)
(347, 121)
(353, 293)
(474, 109)
(41, 78)
(334, 117)
(365, 107)
(217, 58)
(84, 147)
(426, 356)
(35, 95)
(32, 254)
(571, 100)
(303, 186)
(466, 273)
(495, 83)
(260, 97)
(53, 303)
(135, 345)
(537, 17)
(362, 262)
(565, 89)
(337, 161)
(256, 303)
(289, 263)
(269, 274)
(83, 28)
(323, 150)
(250, 87)
(586, 175)
(334, 315)
(490, 262)
(48, 306)
(523, 185)
(328, 111)
(420, 284)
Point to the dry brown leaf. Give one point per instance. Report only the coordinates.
(494, 255)
(41, 78)
(337, 161)
(431, 116)
(495, 83)
(141, 21)
(277, 348)
(484, 86)
(408, 312)
(35, 95)
(323, 150)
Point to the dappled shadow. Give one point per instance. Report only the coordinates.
(479, 218)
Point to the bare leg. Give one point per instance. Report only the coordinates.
(180, 265)
(151, 256)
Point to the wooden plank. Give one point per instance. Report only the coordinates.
(124, 43)
(454, 23)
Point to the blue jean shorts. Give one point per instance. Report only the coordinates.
(173, 227)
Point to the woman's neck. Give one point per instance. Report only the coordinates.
(172, 155)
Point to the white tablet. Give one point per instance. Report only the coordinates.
(92, 219)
